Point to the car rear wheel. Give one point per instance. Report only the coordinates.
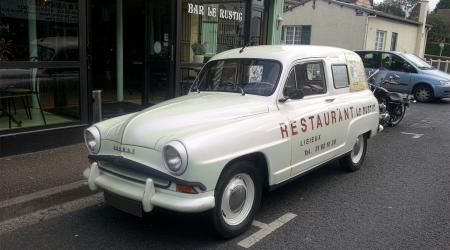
(423, 93)
(354, 160)
(238, 195)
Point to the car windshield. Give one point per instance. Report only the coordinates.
(417, 61)
(250, 76)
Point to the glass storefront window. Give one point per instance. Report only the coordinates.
(215, 25)
(34, 33)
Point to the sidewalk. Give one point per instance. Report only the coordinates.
(31, 172)
(40, 179)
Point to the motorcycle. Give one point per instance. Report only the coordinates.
(392, 105)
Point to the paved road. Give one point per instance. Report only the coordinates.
(399, 200)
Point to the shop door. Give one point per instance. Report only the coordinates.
(160, 30)
(116, 54)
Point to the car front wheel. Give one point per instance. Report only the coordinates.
(354, 160)
(238, 195)
(423, 93)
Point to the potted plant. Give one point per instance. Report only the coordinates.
(199, 52)
(5, 49)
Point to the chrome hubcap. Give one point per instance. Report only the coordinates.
(237, 199)
(358, 149)
(422, 94)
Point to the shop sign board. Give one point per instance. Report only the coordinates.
(214, 12)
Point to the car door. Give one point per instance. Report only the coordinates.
(397, 77)
(307, 131)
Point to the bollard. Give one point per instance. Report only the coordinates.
(97, 106)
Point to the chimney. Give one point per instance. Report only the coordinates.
(421, 32)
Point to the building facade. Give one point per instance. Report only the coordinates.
(54, 53)
(354, 25)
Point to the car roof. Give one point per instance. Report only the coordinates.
(282, 53)
(392, 52)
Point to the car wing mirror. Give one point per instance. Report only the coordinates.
(294, 94)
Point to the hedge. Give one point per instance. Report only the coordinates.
(434, 49)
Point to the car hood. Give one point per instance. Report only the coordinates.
(437, 73)
(145, 128)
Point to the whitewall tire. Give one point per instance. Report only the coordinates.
(238, 196)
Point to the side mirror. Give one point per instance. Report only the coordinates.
(294, 94)
(297, 94)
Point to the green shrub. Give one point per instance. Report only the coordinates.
(434, 49)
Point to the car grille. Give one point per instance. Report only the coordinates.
(131, 174)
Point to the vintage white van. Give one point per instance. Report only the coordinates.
(254, 118)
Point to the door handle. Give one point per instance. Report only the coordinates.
(330, 100)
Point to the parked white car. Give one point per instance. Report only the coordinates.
(255, 118)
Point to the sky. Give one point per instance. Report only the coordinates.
(431, 6)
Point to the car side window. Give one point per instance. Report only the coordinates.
(291, 83)
(394, 63)
(311, 78)
(340, 76)
(308, 77)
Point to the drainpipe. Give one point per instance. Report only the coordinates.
(421, 30)
(367, 31)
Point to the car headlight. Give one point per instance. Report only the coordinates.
(92, 139)
(175, 157)
(445, 82)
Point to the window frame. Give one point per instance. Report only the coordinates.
(296, 28)
(346, 70)
(394, 45)
(381, 43)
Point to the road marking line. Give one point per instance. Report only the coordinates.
(40, 194)
(415, 136)
(265, 230)
(48, 213)
(259, 224)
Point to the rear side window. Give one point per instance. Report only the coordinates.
(340, 76)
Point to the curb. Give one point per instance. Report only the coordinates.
(33, 202)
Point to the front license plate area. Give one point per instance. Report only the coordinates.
(125, 204)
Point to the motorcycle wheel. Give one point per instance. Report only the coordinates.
(397, 113)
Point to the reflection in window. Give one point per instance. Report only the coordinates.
(37, 97)
(257, 77)
(39, 30)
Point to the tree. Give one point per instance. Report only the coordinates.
(390, 8)
(399, 8)
(440, 28)
(443, 4)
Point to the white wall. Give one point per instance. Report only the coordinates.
(407, 34)
(331, 24)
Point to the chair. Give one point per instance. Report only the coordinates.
(23, 92)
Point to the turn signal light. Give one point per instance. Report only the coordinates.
(186, 189)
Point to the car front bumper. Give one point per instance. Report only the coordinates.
(147, 193)
(442, 91)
